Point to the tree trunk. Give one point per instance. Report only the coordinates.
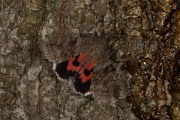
(136, 44)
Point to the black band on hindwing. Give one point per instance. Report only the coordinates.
(75, 62)
(62, 72)
(87, 72)
(81, 87)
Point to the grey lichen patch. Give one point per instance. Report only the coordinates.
(3, 71)
(34, 72)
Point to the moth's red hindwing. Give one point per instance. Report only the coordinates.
(70, 67)
(83, 79)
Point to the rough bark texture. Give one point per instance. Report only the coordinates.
(136, 44)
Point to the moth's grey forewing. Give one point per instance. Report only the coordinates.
(98, 48)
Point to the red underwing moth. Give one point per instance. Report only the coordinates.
(80, 72)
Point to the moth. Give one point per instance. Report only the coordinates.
(80, 71)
